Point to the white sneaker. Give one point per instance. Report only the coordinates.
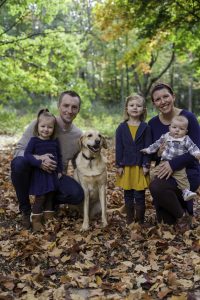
(188, 195)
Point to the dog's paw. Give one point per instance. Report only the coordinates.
(85, 227)
(104, 223)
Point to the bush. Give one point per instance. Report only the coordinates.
(11, 123)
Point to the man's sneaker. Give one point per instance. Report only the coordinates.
(26, 222)
(188, 195)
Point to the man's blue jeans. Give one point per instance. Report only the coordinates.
(69, 190)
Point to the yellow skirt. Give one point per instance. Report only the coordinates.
(133, 178)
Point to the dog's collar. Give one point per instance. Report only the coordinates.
(88, 158)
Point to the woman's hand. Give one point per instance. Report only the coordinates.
(165, 170)
(120, 171)
(161, 149)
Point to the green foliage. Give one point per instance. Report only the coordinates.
(36, 61)
(100, 118)
(104, 50)
(11, 123)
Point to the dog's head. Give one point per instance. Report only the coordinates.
(93, 141)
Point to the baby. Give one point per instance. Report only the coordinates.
(176, 142)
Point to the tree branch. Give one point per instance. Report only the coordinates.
(2, 43)
(14, 24)
(163, 71)
(2, 3)
(188, 11)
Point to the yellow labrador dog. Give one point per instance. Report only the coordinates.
(91, 173)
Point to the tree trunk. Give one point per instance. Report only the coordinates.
(190, 88)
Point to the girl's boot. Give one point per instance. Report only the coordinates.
(129, 213)
(139, 213)
(36, 220)
(129, 205)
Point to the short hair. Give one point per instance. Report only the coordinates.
(70, 93)
(182, 119)
(135, 97)
(159, 86)
(44, 112)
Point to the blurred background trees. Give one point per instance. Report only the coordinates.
(105, 50)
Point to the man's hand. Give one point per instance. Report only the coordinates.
(165, 171)
(48, 162)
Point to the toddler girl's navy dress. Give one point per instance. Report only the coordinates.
(43, 182)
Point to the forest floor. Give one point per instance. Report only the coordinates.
(61, 263)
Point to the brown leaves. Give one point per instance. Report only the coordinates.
(119, 262)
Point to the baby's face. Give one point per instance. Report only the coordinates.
(178, 129)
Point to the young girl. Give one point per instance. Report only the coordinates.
(133, 166)
(43, 183)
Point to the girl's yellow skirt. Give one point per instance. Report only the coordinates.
(133, 178)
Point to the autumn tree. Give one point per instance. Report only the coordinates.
(160, 36)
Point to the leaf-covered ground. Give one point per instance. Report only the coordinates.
(111, 263)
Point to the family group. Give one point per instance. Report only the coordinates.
(171, 139)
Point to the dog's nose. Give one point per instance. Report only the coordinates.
(97, 142)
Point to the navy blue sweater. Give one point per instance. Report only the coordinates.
(128, 149)
(186, 160)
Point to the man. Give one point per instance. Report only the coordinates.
(69, 190)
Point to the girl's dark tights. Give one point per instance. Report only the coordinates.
(43, 203)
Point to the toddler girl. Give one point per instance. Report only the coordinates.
(43, 183)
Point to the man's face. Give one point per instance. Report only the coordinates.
(69, 108)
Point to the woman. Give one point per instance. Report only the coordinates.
(167, 198)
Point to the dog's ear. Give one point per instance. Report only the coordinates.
(80, 142)
(104, 144)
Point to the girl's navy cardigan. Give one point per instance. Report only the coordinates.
(128, 149)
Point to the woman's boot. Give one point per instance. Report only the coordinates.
(36, 220)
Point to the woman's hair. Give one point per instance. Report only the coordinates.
(44, 113)
(135, 97)
(159, 86)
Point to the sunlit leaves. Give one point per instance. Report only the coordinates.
(38, 57)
